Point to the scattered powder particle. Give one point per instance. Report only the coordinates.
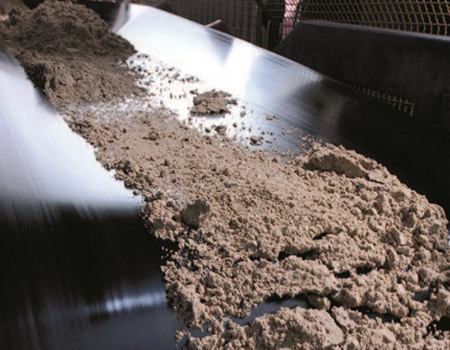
(256, 140)
(152, 136)
(180, 334)
(331, 226)
(221, 130)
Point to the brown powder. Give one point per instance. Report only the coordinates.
(331, 226)
(299, 329)
(212, 102)
(69, 52)
(287, 329)
(7, 5)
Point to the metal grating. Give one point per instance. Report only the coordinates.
(267, 22)
(423, 16)
(284, 14)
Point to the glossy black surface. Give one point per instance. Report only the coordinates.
(80, 280)
(401, 63)
(78, 270)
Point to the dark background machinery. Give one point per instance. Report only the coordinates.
(266, 22)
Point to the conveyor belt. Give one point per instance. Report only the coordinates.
(416, 151)
(78, 270)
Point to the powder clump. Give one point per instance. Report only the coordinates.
(212, 102)
(349, 164)
(194, 214)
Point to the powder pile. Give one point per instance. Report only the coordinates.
(369, 255)
(69, 52)
(7, 5)
(331, 226)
